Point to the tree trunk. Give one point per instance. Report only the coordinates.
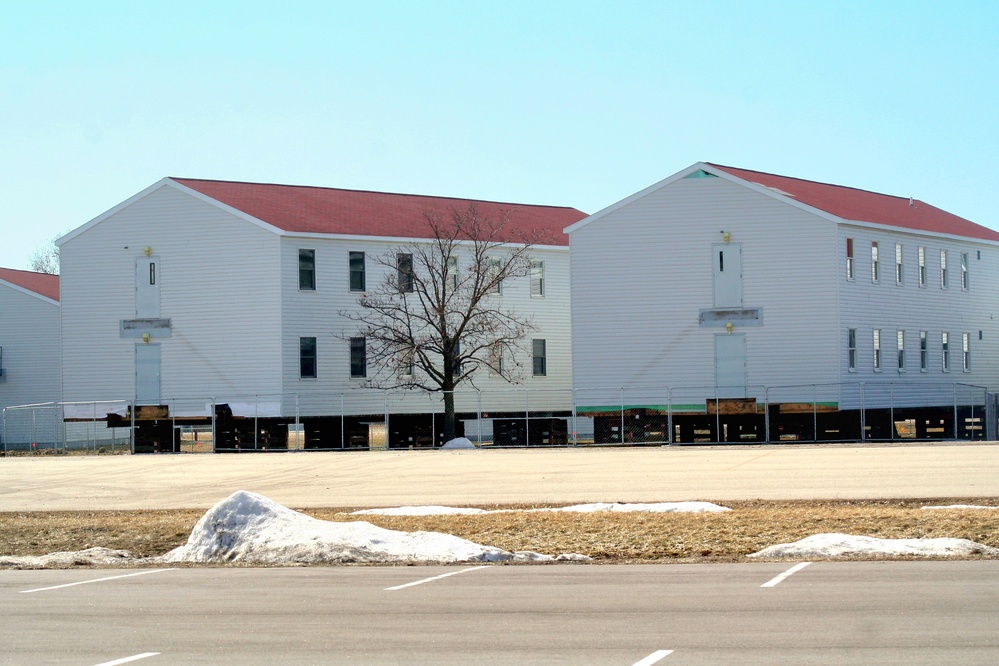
(449, 420)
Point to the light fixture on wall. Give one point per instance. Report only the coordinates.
(726, 236)
(147, 250)
(729, 327)
(145, 338)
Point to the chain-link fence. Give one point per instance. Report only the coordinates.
(630, 416)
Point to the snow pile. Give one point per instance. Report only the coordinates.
(78, 558)
(246, 527)
(848, 545)
(458, 443)
(961, 506)
(661, 507)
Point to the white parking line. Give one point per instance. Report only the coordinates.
(96, 580)
(653, 658)
(125, 660)
(427, 580)
(796, 568)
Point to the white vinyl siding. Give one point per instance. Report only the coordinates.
(217, 285)
(30, 338)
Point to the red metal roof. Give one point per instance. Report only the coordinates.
(40, 283)
(860, 205)
(325, 210)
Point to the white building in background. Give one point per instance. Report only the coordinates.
(720, 283)
(195, 291)
(29, 338)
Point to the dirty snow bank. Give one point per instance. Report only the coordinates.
(849, 545)
(661, 507)
(458, 443)
(246, 527)
(961, 506)
(88, 557)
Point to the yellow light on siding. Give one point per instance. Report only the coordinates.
(729, 327)
(147, 250)
(726, 236)
(145, 338)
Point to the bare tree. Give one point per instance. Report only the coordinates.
(46, 259)
(437, 320)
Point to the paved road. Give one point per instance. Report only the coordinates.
(826, 613)
(375, 479)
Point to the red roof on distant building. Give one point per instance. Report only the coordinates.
(863, 206)
(323, 210)
(40, 283)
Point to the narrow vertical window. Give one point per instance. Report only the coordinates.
(966, 351)
(493, 268)
(900, 341)
(964, 271)
(851, 348)
(357, 277)
(849, 258)
(537, 278)
(877, 350)
(943, 269)
(456, 359)
(899, 273)
(945, 351)
(307, 358)
(496, 359)
(358, 358)
(404, 270)
(875, 270)
(539, 353)
(152, 272)
(922, 267)
(307, 270)
(452, 272)
(408, 364)
(923, 351)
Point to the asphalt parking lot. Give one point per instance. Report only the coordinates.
(822, 613)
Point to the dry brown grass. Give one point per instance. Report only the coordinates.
(605, 536)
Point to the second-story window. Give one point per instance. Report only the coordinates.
(875, 270)
(851, 347)
(964, 271)
(900, 337)
(357, 277)
(307, 270)
(404, 270)
(877, 350)
(922, 267)
(923, 351)
(943, 269)
(899, 273)
(537, 278)
(945, 351)
(849, 258)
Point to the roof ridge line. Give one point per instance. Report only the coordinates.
(819, 182)
(363, 191)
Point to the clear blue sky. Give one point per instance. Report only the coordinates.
(567, 103)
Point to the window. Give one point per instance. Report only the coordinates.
(452, 272)
(943, 269)
(964, 271)
(923, 351)
(537, 278)
(456, 359)
(358, 358)
(875, 271)
(408, 364)
(851, 347)
(966, 351)
(307, 358)
(493, 268)
(307, 270)
(900, 338)
(945, 351)
(404, 268)
(849, 258)
(922, 267)
(540, 359)
(877, 350)
(496, 360)
(357, 271)
(899, 273)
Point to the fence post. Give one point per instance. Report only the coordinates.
(891, 409)
(863, 413)
(299, 429)
(575, 432)
(131, 429)
(669, 416)
(478, 416)
(527, 418)
(955, 411)
(621, 435)
(343, 424)
(815, 413)
(388, 432)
